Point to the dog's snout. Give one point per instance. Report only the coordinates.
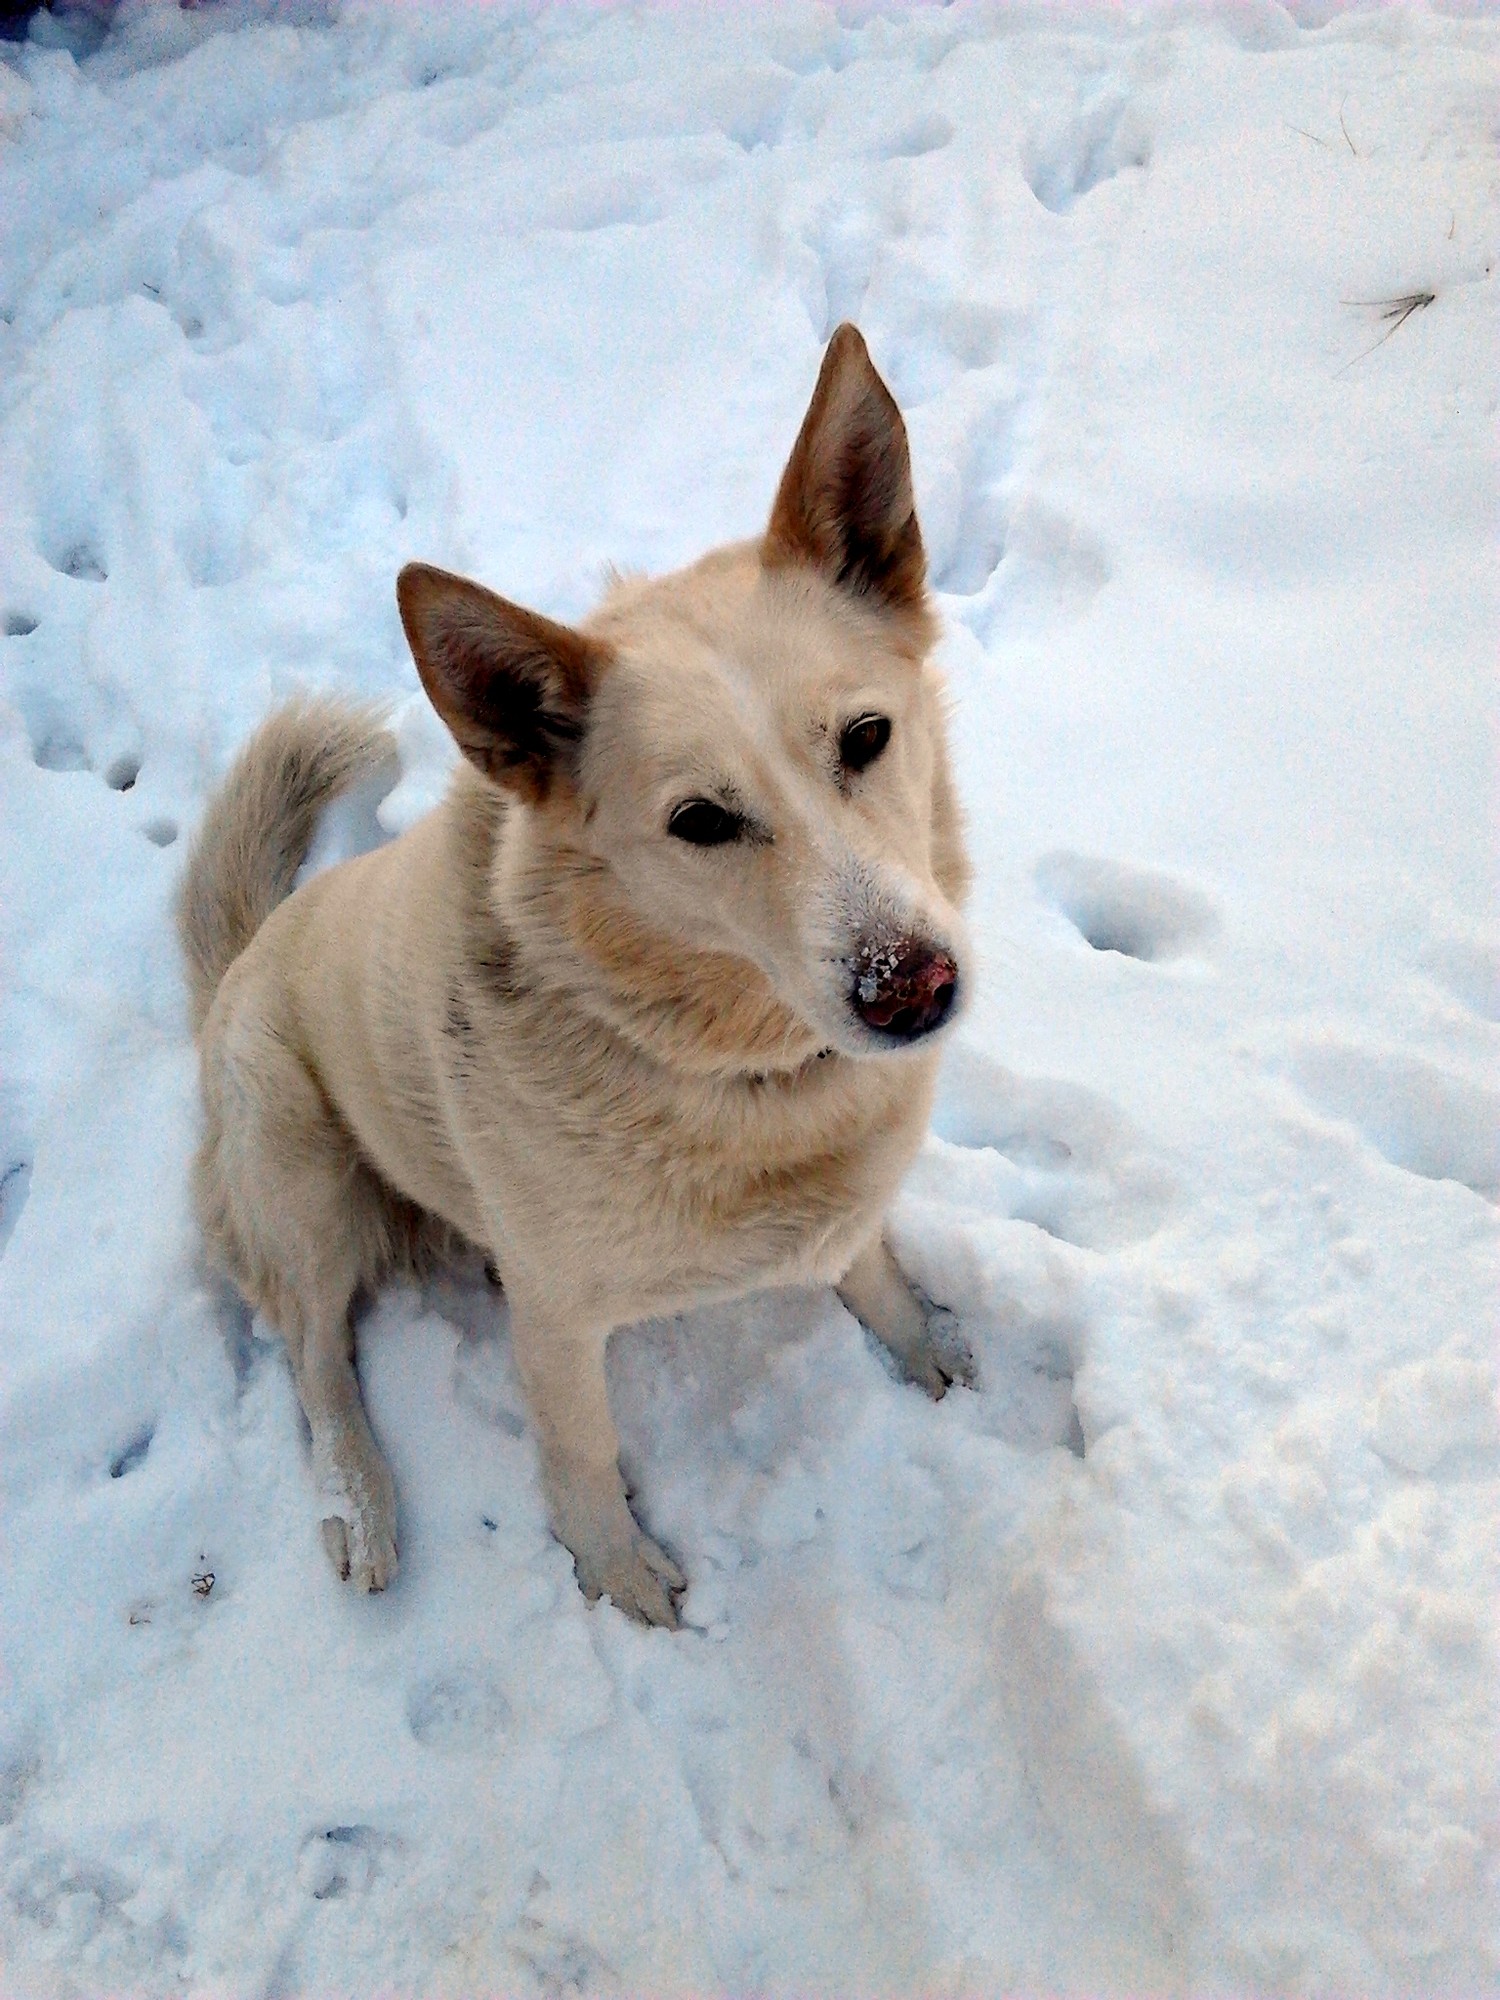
(904, 987)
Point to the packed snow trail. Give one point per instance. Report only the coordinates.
(1160, 1663)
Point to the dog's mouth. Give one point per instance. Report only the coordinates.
(904, 988)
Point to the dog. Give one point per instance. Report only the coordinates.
(649, 1008)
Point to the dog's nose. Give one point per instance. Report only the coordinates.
(904, 988)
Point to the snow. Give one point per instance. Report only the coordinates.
(1165, 1660)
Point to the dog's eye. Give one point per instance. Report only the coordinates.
(863, 741)
(703, 824)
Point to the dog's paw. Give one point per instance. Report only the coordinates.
(368, 1561)
(360, 1534)
(638, 1577)
(951, 1349)
(940, 1356)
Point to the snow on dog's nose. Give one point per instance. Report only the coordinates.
(903, 987)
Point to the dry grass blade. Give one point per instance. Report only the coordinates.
(1398, 311)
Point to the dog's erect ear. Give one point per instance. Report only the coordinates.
(512, 686)
(845, 501)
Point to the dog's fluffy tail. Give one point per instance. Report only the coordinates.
(259, 826)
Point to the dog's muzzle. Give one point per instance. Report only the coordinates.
(904, 988)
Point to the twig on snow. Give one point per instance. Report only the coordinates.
(1301, 134)
(1345, 130)
(1397, 311)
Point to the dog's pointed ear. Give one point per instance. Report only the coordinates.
(845, 502)
(512, 686)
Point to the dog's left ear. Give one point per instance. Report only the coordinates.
(845, 502)
(512, 686)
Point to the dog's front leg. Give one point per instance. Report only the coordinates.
(924, 1339)
(562, 1373)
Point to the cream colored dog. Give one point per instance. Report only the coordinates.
(647, 1008)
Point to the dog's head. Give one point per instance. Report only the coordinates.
(738, 829)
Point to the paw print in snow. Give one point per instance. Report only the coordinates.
(1102, 141)
(464, 1709)
(344, 1861)
(1428, 1121)
(1136, 912)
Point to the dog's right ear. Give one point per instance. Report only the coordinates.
(845, 501)
(512, 686)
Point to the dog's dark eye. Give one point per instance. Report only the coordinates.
(703, 824)
(863, 741)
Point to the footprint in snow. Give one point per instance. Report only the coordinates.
(60, 743)
(130, 1455)
(79, 559)
(752, 114)
(1019, 563)
(1054, 568)
(212, 545)
(845, 240)
(1049, 1152)
(56, 1889)
(1105, 139)
(57, 743)
(344, 1861)
(558, 1960)
(1115, 907)
(1428, 1121)
(464, 1709)
(979, 538)
(934, 335)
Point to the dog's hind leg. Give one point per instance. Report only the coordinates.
(354, 1481)
(301, 1222)
(354, 1484)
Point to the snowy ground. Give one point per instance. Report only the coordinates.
(1163, 1662)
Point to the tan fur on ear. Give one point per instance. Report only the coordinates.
(512, 686)
(845, 502)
